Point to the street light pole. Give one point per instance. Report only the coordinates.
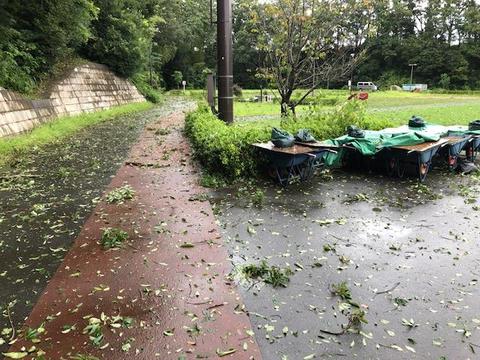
(225, 60)
(411, 73)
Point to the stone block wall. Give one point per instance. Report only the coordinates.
(90, 87)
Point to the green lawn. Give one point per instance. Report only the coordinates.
(246, 109)
(396, 106)
(436, 108)
(57, 129)
(444, 115)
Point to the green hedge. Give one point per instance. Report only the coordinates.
(226, 149)
(223, 149)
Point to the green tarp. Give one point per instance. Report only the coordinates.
(374, 141)
(462, 131)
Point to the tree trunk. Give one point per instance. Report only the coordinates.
(284, 108)
(292, 108)
(286, 104)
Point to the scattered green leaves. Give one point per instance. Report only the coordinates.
(113, 238)
(342, 290)
(272, 275)
(119, 195)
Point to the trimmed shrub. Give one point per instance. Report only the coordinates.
(226, 149)
(221, 148)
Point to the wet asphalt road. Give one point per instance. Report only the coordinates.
(376, 234)
(45, 198)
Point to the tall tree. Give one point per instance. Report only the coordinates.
(247, 58)
(305, 42)
(35, 35)
(121, 36)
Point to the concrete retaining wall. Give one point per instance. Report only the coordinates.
(90, 87)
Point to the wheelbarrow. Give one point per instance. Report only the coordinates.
(473, 147)
(420, 156)
(452, 149)
(295, 162)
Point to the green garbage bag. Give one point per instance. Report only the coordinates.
(474, 125)
(417, 122)
(304, 135)
(281, 138)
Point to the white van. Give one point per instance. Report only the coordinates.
(367, 85)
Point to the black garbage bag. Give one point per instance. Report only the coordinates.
(281, 138)
(416, 122)
(304, 135)
(474, 125)
(355, 132)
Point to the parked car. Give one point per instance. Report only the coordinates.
(367, 85)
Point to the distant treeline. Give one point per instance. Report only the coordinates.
(441, 36)
(147, 38)
(162, 41)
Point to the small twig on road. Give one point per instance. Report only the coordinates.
(133, 247)
(215, 306)
(337, 237)
(257, 314)
(199, 303)
(333, 333)
(9, 314)
(388, 290)
(472, 344)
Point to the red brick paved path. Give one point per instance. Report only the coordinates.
(181, 301)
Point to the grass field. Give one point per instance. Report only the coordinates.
(60, 128)
(447, 109)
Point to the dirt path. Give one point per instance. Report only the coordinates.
(164, 294)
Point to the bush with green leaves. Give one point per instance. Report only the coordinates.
(150, 93)
(221, 148)
(226, 149)
(36, 35)
(391, 78)
(444, 81)
(342, 290)
(333, 123)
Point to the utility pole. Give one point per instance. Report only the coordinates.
(225, 60)
(411, 72)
